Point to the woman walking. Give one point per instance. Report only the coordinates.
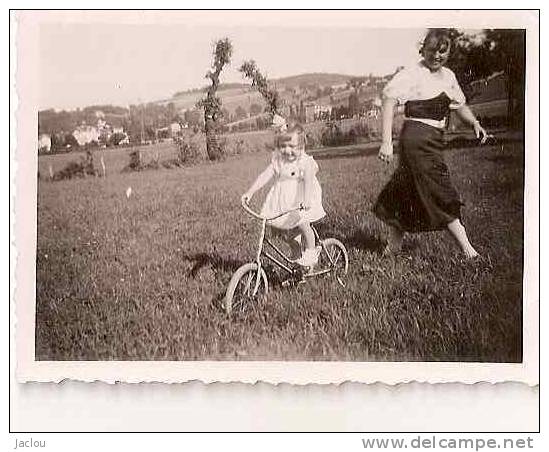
(420, 195)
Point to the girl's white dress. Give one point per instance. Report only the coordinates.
(288, 192)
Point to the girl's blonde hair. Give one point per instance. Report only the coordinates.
(293, 127)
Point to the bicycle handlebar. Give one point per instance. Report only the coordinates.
(247, 208)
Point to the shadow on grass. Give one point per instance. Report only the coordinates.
(364, 240)
(345, 152)
(214, 261)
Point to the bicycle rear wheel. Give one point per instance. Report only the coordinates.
(242, 291)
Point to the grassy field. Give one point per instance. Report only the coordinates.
(117, 158)
(142, 278)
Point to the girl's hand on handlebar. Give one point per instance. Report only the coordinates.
(245, 199)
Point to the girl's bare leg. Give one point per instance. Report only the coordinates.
(311, 253)
(460, 235)
(308, 235)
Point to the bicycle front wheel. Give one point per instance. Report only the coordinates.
(244, 289)
(334, 259)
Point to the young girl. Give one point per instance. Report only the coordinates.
(295, 185)
(420, 196)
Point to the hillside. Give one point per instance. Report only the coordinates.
(234, 94)
(317, 78)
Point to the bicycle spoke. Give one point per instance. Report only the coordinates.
(248, 284)
(333, 256)
(337, 258)
(241, 297)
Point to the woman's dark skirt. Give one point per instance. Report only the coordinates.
(420, 196)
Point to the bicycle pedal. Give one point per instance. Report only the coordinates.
(308, 270)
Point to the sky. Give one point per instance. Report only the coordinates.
(98, 63)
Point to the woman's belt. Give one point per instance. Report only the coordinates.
(436, 108)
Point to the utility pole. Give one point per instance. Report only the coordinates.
(142, 122)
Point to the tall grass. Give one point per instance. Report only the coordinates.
(141, 278)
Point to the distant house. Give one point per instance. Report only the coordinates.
(322, 112)
(339, 87)
(125, 140)
(309, 110)
(85, 134)
(44, 143)
(175, 129)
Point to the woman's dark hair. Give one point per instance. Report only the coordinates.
(438, 37)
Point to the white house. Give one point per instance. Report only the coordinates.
(86, 134)
(175, 128)
(44, 143)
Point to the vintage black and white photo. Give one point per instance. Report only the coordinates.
(282, 192)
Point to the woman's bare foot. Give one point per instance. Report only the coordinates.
(470, 252)
(394, 241)
(457, 231)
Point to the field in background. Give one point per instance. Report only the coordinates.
(367, 130)
(117, 158)
(141, 278)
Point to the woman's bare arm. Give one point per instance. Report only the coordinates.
(467, 116)
(387, 112)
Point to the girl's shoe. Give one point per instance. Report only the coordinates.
(310, 257)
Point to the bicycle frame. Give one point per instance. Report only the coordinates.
(287, 264)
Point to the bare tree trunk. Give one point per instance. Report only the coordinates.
(212, 144)
(212, 104)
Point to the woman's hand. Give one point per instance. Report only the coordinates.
(480, 133)
(386, 152)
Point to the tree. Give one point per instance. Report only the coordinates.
(240, 113)
(354, 104)
(470, 58)
(509, 54)
(259, 81)
(171, 113)
(225, 115)
(479, 56)
(211, 104)
(193, 118)
(356, 83)
(327, 91)
(255, 109)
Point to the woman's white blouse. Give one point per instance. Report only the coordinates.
(417, 82)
